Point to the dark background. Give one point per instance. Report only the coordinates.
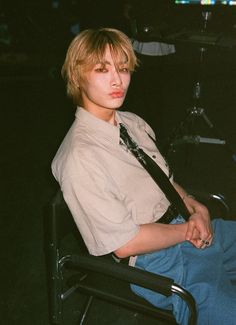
(35, 115)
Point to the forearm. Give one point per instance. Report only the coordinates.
(183, 194)
(153, 237)
(156, 236)
(180, 190)
(191, 203)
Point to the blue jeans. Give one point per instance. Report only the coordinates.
(208, 274)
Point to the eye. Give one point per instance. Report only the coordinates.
(101, 70)
(124, 69)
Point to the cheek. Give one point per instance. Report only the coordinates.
(126, 81)
(91, 88)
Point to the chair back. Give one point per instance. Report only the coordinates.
(60, 223)
(62, 239)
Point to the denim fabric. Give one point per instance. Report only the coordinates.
(209, 274)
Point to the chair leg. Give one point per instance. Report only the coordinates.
(55, 291)
(86, 311)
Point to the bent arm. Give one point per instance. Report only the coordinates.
(153, 237)
(156, 236)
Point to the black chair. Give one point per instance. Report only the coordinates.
(71, 269)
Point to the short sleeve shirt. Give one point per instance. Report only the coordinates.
(106, 189)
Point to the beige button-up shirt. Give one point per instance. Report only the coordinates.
(106, 189)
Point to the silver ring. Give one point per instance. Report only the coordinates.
(206, 242)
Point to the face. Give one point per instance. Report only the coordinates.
(105, 86)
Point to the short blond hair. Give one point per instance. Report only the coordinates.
(87, 49)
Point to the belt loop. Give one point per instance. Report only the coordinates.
(120, 260)
(115, 258)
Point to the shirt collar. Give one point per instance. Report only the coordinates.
(98, 126)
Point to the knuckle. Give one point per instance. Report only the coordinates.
(191, 222)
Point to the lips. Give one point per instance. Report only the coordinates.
(117, 94)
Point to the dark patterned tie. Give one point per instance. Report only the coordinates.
(155, 171)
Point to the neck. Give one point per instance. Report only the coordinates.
(108, 115)
(112, 119)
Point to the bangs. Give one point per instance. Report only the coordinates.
(95, 52)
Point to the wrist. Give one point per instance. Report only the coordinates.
(181, 230)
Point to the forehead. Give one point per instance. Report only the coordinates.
(111, 55)
(107, 55)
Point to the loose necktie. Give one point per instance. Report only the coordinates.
(155, 172)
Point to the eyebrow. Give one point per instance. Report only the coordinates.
(109, 63)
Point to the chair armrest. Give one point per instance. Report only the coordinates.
(124, 272)
(158, 283)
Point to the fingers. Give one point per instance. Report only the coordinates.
(201, 243)
(190, 231)
(206, 236)
(199, 232)
(206, 242)
(204, 230)
(193, 235)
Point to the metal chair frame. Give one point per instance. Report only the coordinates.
(91, 275)
(101, 277)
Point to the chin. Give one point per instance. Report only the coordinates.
(118, 104)
(115, 107)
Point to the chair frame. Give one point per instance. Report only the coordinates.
(58, 223)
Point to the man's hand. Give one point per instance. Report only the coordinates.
(199, 231)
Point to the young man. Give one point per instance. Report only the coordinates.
(115, 202)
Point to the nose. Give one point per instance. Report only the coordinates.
(116, 78)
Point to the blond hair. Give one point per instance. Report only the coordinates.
(87, 49)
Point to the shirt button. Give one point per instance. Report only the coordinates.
(153, 156)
